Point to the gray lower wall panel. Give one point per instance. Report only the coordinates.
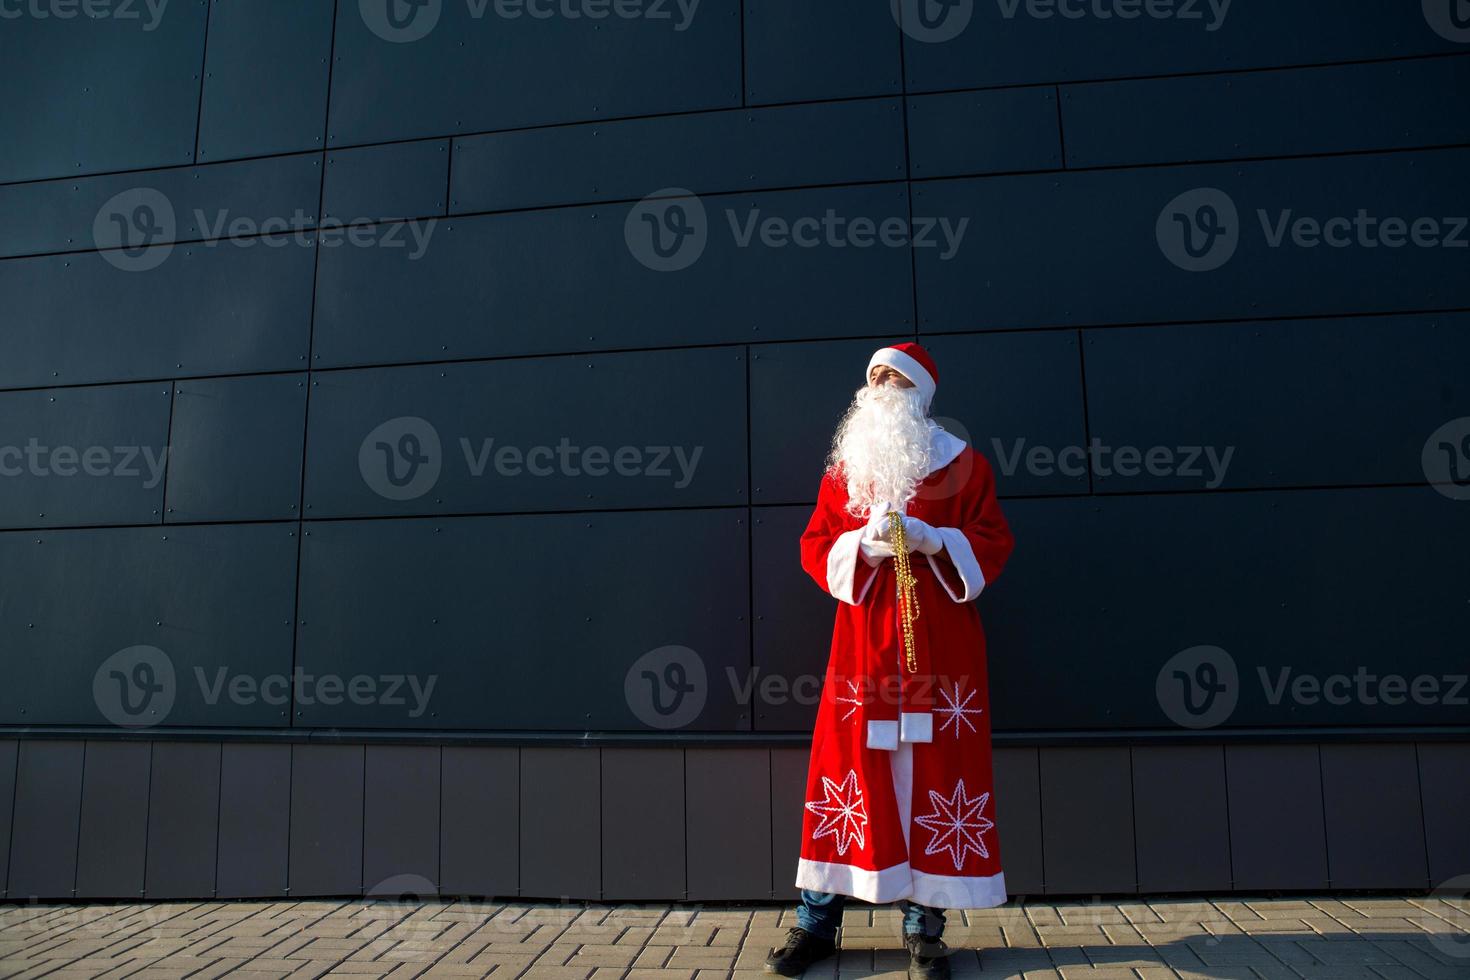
(47, 812)
(326, 820)
(788, 800)
(561, 842)
(112, 841)
(479, 836)
(729, 812)
(9, 749)
(1444, 783)
(642, 824)
(254, 820)
(1018, 819)
(1374, 819)
(1087, 820)
(1179, 813)
(183, 819)
(1277, 837)
(400, 854)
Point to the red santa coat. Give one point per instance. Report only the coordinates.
(900, 798)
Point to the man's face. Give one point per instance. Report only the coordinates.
(885, 375)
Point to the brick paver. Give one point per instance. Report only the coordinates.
(1298, 938)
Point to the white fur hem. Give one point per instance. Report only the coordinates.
(842, 564)
(916, 726)
(899, 881)
(963, 558)
(882, 734)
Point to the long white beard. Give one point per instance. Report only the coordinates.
(882, 445)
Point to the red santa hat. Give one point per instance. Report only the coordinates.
(911, 361)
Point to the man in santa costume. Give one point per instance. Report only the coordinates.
(900, 800)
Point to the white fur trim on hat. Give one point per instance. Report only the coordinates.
(906, 366)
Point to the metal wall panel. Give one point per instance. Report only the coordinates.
(1017, 399)
(235, 449)
(643, 820)
(113, 839)
(1018, 819)
(400, 854)
(560, 820)
(379, 183)
(658, 428)
(1087, 820)
(1179, 807)
(793, 624)
(788, 802)
(254, 820)
(1334, 109)
(148, 626)
(1112, 231)
(1258, 392)
(183, 819)
(993, 131)
(75, 456)
(561, 69)
(453, 622)
(575, 279)
(1446, 798)
(118, 92)
(326, 820)
(972, 45)
(479, 842)
(207, 309)
(707, 153)
(47, 813)
(728, 809)
(180, 204)
(800, 50)
(265, 77)
(1375, 823)
(1284, 639)
(9, 750)
(1277, 835)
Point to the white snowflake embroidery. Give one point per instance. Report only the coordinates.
(957, 824)
(856, 702)
(956, 710)
(842, 812)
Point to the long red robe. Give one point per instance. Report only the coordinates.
(900, 798)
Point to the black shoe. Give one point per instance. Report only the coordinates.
(802, 949)
(928, 957)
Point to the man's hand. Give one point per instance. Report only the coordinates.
(921, 536)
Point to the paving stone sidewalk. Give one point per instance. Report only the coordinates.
(1379, 938)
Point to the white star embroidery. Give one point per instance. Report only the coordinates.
(842, 812)
(856, 702)
(957, 824)
(956, 710)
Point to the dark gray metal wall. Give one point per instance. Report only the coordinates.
(176, 294)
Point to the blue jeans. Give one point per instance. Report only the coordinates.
(820, 914)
